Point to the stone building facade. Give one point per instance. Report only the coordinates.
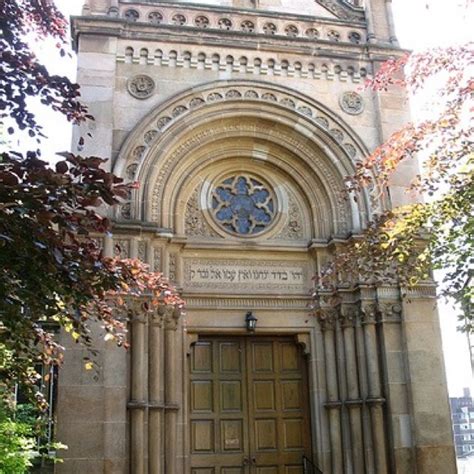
(240, 119)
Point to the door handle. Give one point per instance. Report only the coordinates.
(254, 461)
(246, 462)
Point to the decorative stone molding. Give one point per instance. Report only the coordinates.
(172, 264)
(202, 17)
(293, 228)
(351, 102)
(141, 251)
(157, 259)
(202, 302)
(275, 102)
(141, 86)
(194, 223)
(241, 129)
(122, 248)
(265, 64)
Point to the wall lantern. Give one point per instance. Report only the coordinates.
(250, 321)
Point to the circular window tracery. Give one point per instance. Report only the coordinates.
(242, 204)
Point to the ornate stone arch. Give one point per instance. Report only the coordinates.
(299, 135)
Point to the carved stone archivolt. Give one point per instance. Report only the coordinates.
(265, 100)
(141, 86)
(311, 111)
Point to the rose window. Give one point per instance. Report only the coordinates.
(243, 205)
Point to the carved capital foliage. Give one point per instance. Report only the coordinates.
(347, 315)
(368, 312)
(390, 311)
(166, 316)
(327, 318)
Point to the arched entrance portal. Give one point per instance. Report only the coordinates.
(239, 204)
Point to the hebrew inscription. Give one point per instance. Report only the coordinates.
(253, 277)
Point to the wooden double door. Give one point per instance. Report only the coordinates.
(248, 406)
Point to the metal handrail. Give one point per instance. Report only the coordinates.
(309, 467)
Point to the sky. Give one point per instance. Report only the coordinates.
(419, 24)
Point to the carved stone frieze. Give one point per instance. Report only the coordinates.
(299, 67)
(251, 276)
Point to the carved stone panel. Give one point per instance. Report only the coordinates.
(293, 228)
(352, 103)
(194, 223)
(261, 276)
(141, 86)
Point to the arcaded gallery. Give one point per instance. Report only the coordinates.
(240, 119)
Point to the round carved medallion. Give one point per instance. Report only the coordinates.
(243, 205)
(351, 102)
(141, 86)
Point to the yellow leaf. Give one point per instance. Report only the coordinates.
(88, 365)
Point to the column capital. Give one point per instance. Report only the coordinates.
(368, 312)
(390, 311)
(327, 318)
(348, 314)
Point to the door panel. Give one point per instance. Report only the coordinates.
(218, 413)
(248, 406)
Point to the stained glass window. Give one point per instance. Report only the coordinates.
(243, 205)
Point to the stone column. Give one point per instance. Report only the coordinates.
(353, 401)
(155, 404)
(374, 400)
(171, 396)
(370, 23)
(114, 8)
(333, 403)
(364, 391)
(391, 25)
(137, 404)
